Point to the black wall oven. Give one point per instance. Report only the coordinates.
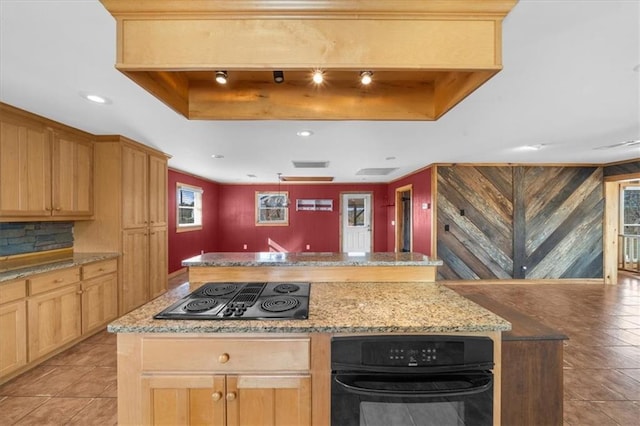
(411, 380)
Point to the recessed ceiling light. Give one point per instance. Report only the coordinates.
(317, 77)
(95, 98)
(305, 133)
(221, 77)
(366, 77)
(536, 147)
(252, 176)
(390, 158)
(217, 156)
(620, 144)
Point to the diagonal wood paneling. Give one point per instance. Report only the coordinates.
(520, 222)
(563, 222)
(476, 204)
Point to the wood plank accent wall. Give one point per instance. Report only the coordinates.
(519, 222)
(622, 169)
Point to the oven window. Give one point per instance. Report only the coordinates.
(415, 414)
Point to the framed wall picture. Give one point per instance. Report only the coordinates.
(272, 208)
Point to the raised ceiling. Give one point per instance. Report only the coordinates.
(426, 56)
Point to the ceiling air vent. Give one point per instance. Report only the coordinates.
(381, 171)
(310, 164)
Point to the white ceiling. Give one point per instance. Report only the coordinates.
(570, 81)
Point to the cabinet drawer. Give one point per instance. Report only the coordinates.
(12, 290)
(53, 280)
(93, 270)
(225, 355)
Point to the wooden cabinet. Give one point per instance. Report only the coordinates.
(135, 268)
(13, 326)
(99, 294)
(72, 175)
(215, 381)
(50, 166)
(54, 320)
(130, 181)
(238, 399)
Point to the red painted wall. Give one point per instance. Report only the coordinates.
(421, 193)
(319, 229)
(187, 244)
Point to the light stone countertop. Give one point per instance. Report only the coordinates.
(311, 259)
(23, 269)
(338, 307)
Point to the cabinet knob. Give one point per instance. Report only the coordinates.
(79, 292)
(231, 396)
(216, 396)
(223, 358)
(59, 280)
(58, 209)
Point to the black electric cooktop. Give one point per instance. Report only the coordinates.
(236, 301)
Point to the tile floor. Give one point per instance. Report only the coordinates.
(601, 374)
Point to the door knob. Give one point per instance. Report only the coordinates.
(231, 396)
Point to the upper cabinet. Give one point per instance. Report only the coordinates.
(49, 169)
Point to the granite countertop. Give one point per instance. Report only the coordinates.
(311, 259)
(17, 269)
(338, 307)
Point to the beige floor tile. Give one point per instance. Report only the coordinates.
(634, 373)
(56, 411)
(12, 409)
(100, 412)
(585, 413)
(47, 385)
(92, 384)
(625, 413)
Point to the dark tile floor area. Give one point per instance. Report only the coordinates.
(601, 360)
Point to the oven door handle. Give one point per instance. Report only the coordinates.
(480, 385)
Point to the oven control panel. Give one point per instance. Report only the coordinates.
(412, 354)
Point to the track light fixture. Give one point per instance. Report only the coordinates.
(318, 77)
(221, 77)
(278, 76)
(366, 77)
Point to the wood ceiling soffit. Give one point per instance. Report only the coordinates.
(426, 56)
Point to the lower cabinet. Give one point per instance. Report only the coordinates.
(214, 380)
(54, 320)
(46, 312)
(99, 302)
(227, 400)
(13, 335)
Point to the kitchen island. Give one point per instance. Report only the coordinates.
(312, 267)
(243, 372)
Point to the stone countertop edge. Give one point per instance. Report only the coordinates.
(309, 259)
(77, 259)
(338, 308)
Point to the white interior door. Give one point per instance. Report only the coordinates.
(356, 223)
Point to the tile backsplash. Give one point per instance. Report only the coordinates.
(28, 237)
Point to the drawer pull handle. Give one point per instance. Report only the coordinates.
(231, 396)
(223, 359)
(216, 396)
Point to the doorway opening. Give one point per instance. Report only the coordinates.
(404, 214)
(356, 222)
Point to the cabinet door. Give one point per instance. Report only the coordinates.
(25, 168)
(157, 261)
(183, 400)
(135, 269)
(13, 335)
(54, 319)
(157, 191)
(135, 193)
(268, 400)
(99, 301)
(72, 175)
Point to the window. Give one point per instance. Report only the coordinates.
(630, 211)
(189, 204)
